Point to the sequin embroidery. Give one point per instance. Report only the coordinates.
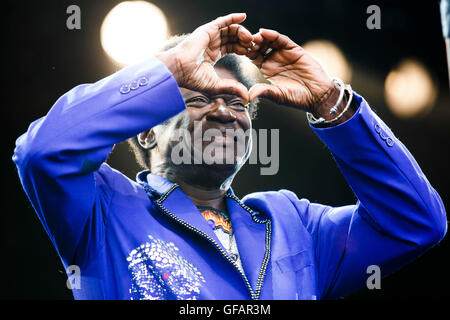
(158, 272)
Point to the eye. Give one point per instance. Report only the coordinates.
(197, 101)
(239, 104)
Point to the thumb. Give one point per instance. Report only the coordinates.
(265, 90)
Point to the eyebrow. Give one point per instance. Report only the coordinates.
(226, 96)
(189, 94)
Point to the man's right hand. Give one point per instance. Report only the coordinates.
(192, 61)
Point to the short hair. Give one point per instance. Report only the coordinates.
(231, 62)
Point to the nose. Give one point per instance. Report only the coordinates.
(220, 112)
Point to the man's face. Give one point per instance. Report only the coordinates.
(214, 130)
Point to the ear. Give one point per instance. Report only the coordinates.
(147, 139)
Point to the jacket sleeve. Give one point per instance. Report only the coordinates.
(398, 215)
(59, 159)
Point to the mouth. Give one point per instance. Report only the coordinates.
(223, 135)
(224, 140)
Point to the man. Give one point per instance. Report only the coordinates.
(180, 232)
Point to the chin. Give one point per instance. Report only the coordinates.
(214, 173)
(218, 168)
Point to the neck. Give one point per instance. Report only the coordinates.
(203, 187)
(202, 196)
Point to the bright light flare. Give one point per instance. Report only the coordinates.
(331, 58)
(133, 31)
(409, 89)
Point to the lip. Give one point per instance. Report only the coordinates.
(222, 140)
(222, 129)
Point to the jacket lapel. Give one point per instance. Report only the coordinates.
(252, 238)
(185, 211)
(177, 205)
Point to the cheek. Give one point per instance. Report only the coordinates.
(245, 124)
(183, 120)
(168, 131)
(244, 121)
(193, 115)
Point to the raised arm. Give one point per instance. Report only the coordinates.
(398, 215)
(60, 159)
(60, 156)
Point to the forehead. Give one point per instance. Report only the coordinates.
(222, 73)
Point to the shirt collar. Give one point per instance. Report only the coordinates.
(157, 184)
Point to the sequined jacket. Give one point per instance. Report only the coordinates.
(145, 239)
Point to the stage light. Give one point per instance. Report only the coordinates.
(133, 31)
(409, 89)
(331, 58)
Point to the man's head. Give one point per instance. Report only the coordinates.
(210, 141)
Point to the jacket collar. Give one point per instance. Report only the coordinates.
(158, 185)
(253, 238)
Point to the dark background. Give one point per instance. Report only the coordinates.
(42, 60)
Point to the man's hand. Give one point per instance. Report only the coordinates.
(296, 79)
(192, 61)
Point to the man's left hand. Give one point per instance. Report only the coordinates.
(296, 78)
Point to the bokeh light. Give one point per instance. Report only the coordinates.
(133, 31)
(331, 58)
(409, 89)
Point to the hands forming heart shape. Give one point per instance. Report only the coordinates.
(295, 78)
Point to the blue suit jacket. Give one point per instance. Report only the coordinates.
(147, 240)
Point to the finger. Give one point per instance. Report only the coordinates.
(276, 40)
(234, 48)
(252, 55)
(256, 58)
(258, 52)
(265, 49)
(236, 32)
(260, 46)
(230, 86)
(264, 90)
(227, 20)
(258, 38)
(236, 39)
